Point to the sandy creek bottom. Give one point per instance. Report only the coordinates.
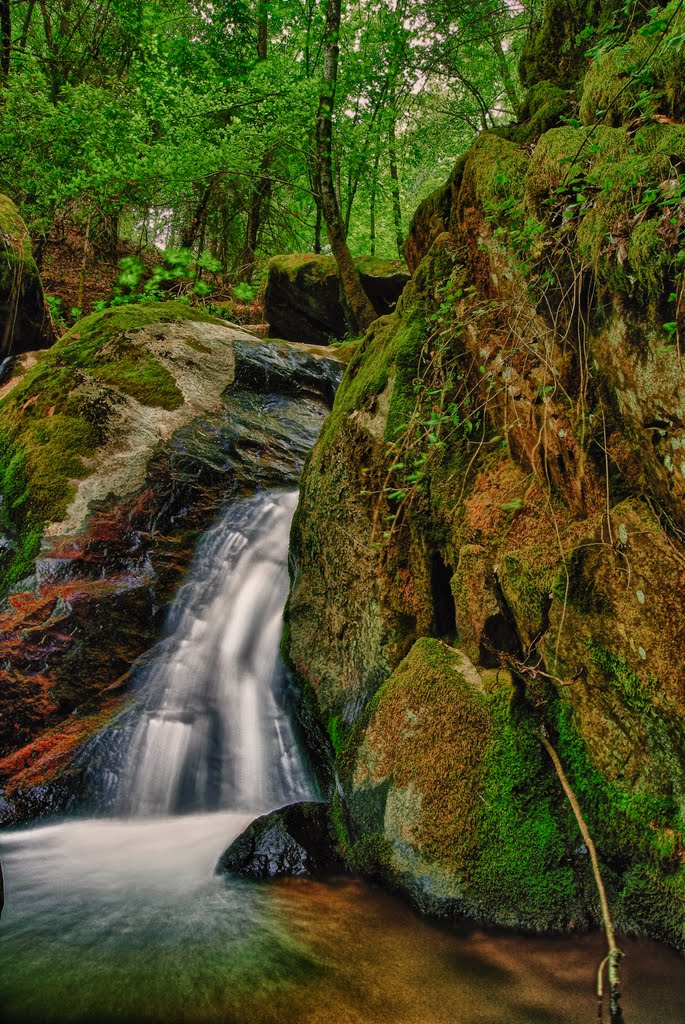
(125, 920)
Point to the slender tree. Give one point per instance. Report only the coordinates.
(359, 311)
(5, 39)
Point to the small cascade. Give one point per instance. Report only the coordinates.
(212, 731)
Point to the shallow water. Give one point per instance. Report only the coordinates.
(120, 920)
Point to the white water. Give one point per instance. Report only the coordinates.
(213, 731)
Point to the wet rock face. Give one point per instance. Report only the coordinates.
(108, 566)
(24, 321)
(294, 840)
(302, 299)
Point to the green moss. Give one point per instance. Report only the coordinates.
(372, 856)
(338, 818)
(336, 732)
(57, 417)
(494, 176)
(10, 218)
(526, 587)
(637, 77)
(653, 901)
(316, 268)
(544, 106)
(523, 870)
(639, 837)
(390, 351)
(649, 260)
(605, 187)
(636, 693)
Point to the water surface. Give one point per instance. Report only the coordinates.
(124, 920)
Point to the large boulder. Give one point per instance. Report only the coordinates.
(24, 320)
(302, 298)
(118, 446)
(295, 840)
(504, 469)
(445, 799)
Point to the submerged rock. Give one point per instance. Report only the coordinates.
(294, 840)
(302, 299)
(24, 320)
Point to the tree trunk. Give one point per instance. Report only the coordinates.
(6, 41)
(358, 310)
(372, 203)
(262, 29)
(261, 192)
(190, 233)
(395, 188)
(262, 188)
(26, 26)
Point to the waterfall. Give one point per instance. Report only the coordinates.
(212, 730)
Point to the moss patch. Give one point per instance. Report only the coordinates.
(56, 418)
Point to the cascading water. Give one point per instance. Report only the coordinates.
(214, 732)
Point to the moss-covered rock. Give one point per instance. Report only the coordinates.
(644, 76)
(502, 470)
(453, 801)
(24, 320)
(302, 296)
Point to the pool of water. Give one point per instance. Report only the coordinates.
(125, 920)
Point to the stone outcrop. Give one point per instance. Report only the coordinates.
(24, 320)
(524, 507)
(295, 840)
(119, 445)
(302, 296)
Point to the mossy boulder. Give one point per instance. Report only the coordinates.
(24, 320)
(504, 470)
(302, 296)
(448, 803)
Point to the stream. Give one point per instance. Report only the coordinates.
(119, 916)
